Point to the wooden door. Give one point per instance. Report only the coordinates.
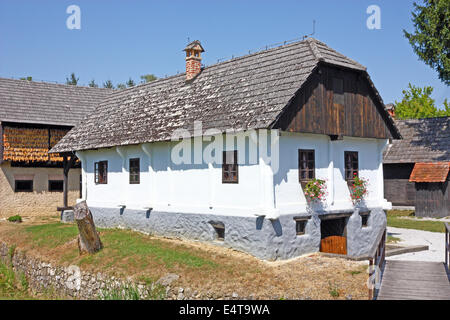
(334, 244)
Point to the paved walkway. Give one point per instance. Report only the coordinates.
(414, 280)
(410, 237)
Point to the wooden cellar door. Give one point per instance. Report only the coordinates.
(333, 236)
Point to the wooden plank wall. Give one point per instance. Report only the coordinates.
(432, 199)
(314, 111)
(397, 188)
(400, 192)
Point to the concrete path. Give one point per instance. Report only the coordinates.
(410, 237)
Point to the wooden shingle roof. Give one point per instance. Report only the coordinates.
(424, 140)
(33, 102)
(244, 93)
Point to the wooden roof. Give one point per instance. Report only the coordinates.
(244, 93)
(194, 45)
(424, 140)
(430, 172)
(23, 101)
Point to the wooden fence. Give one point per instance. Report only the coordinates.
(376, 262)
(447, 247)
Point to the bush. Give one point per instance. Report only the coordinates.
(16, 219)
(131, 292)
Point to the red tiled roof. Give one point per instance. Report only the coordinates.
(430, 172)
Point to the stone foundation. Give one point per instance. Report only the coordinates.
(262, 238)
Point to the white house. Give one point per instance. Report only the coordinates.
(278, 118)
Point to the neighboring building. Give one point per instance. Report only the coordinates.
(323, 118)
(34, 116)
(424, 149)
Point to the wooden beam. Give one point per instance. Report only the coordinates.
(67, 164)
(335, 216)
(66, 181)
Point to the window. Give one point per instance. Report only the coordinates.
(306, 165)
(135, 170)
(338, 91)
(351, 165)
(23, 186)
(219, 227)
(300, 225)
(101, 172)
(365, 219)
(230, 167)
(55, 185)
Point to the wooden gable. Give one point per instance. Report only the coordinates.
(339, 102)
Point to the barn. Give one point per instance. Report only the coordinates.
(222, 153)
(34, 116)
(416, 167)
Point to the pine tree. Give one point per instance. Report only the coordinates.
(73, 81)
(148, 78)
(130, 83)
(108, 84)
(92, 84)
(431, 37)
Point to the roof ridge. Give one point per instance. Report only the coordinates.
(315, 51)
(421, 119)
(313, 43)
(254, 53)
(54, 84)
(159, 80)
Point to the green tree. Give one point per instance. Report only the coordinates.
(148, 78)
(417, 103)
(73, 81)
(431, 37)
(130, 83)
(108, 84)
(27, 78)
(121, 86)
(92, 84)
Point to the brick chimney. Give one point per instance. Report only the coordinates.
(193, 59)
(390, 107)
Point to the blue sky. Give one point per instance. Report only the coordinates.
(122, 39)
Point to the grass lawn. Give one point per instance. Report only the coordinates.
(391, 239)
(124, 249)
(404, 219)
(12, 286)
(201, 267)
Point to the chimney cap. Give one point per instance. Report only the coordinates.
(194, 45)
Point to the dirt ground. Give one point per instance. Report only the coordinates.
(311, 276)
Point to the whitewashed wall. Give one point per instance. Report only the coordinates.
(329, 156)
(262, 189)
